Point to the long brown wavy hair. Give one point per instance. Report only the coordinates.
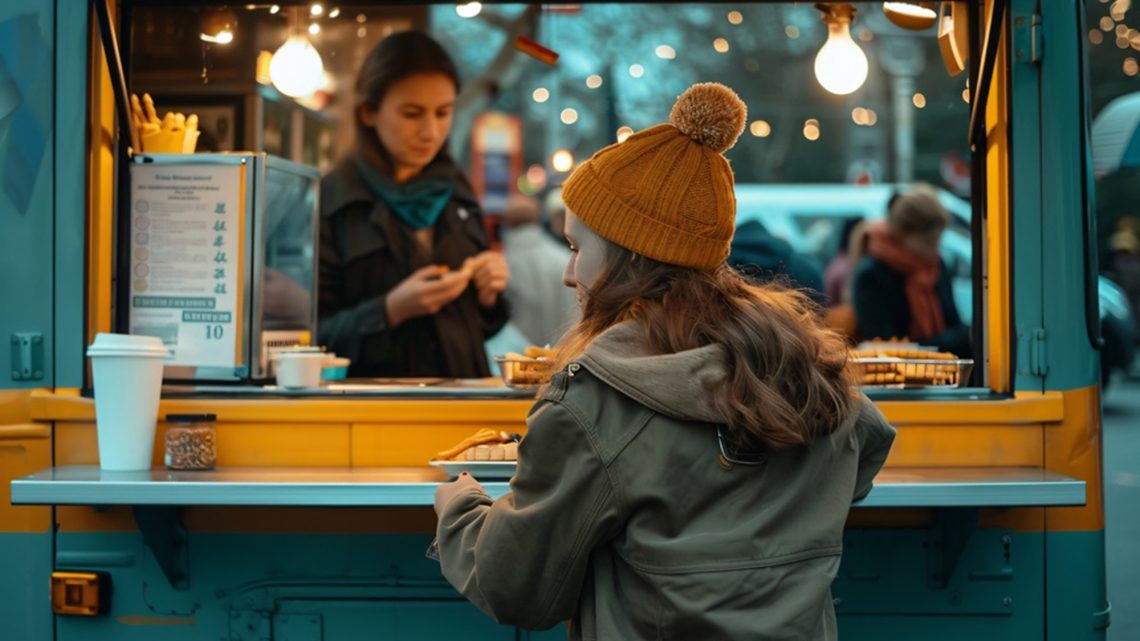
(787, 377)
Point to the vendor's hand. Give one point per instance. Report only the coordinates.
(446, 491)
(490, 273)
(424, 293)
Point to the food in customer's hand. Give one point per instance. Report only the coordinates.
(484, 445)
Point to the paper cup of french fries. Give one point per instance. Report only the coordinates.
(175, 133)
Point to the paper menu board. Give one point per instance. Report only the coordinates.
(186, 259)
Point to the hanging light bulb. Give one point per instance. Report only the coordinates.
(218, 27)
(840, 65)
(911, 15)
(296, 68)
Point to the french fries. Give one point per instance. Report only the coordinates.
(173, 133)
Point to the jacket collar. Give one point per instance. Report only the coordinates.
(344, 185)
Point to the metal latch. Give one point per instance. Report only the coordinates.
(1028, 38)
(27, 356)
(79, 593)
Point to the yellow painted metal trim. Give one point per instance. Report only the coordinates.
(49, 407)
(15, 406)
(100, 189)
(997, 241)
(1023, 409)
(20, 457)
(1074, 448)
(21, 431)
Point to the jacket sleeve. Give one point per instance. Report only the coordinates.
(523, 558)
(343, 327)
(873, 304)
(875, 436)
(496, 317)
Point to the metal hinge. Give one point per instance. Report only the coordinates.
(1028, 38)
(1031, 352)
(27, 356)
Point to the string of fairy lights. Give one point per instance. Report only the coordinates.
(1114, 28)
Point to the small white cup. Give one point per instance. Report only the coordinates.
(127, 375)
(298, 369)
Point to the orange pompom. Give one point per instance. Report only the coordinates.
(711, 114)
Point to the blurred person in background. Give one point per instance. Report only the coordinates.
(851, 246)
(839, 275)
(902, 289)
(541, 307)
(408, 286)
(764, 258)
(1123, 261)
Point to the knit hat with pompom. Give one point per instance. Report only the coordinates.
(666, 192)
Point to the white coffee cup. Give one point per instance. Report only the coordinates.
(127, 375)
(298, 369)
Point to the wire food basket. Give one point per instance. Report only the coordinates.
(524, 373)
(907, 373)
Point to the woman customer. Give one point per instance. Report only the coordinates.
(687, 472)
(902, 289)
(407, 284)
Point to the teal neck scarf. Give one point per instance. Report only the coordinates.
(418, 202)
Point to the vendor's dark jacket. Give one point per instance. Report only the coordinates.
(622, 518)
(882, 311)
(365, 251)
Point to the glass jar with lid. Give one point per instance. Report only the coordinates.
(191, 441)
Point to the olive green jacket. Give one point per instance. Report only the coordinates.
(622, 519)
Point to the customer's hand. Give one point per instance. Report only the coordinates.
(446, 491)
(490, 273)
(424, 293)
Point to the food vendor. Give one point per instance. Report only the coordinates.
(408, 285)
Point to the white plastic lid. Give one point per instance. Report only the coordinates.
(298, 355)
(127, 345)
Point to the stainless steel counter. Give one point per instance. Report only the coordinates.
(415, 486)
(434, 388)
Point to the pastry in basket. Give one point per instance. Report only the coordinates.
(484, 445)
(529, 369)
(905, 366)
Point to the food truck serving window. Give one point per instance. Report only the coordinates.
(853, 175)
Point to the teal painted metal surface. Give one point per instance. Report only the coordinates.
(70, 192)
(1075, 581)
(25, 606)
(893, 584)
(274, 586)
(372, 487)
(1026, 194)
(27, 106)
(1049, 176)
(1073, 363)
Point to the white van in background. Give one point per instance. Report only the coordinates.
(811, 217)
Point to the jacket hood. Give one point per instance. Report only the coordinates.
(677, 385)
